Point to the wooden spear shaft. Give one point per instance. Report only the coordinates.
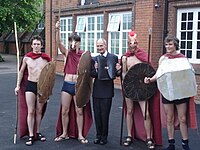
(17, 47)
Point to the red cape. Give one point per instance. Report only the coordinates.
(138, 130)
(71, 67)
(139, 53)
(191, 113)
(72, 126)
(22, 106)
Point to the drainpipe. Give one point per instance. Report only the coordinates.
(51, 28)
(165, 29)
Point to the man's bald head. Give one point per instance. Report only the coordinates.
(101, 45)
(101, 40)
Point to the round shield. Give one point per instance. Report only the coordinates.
(133, 83)
(46, 82)
(84, 80)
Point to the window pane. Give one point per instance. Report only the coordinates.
(127, 21)
(99, 35)
(190, 24)
(90, 23)
(198, 55)
(183, 44)
(115, 42)
(190, 16)
(63, 38)
(198, 15)
(189, 35)
(124, 42)
(182, 52)
(82, 43)
(183, 35)
(198, 45)
(189, 44)
(198, 26)
(183, 26)
(189, 54)
(90, 42)
(184, 16)
(63, 25)
(69, 24)
(198, 35)
(100, 23)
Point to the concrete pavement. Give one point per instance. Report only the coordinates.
(8, 118)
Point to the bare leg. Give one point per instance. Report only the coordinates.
(39, 107)
(66, 101)
(169, 110)
(182, 109)
(30, 100)
(129, 116)
(79, 119)
(147, 122)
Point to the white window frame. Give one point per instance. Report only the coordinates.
(121, 31)
(86, 31)
(66, 32)
(194, 31)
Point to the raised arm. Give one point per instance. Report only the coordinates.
(61, 46)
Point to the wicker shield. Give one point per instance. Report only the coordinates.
(46, 82)
(84, 81)
(133, 83)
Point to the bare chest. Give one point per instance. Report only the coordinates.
(131, 61)
(35, 65)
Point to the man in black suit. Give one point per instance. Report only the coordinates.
(104, 69)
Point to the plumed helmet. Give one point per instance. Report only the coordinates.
(132, 37)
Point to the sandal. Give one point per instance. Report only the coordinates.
(30, 141)
(61, 138)
(127, 141)
(40, 137)
(83, 141)
(150, 144)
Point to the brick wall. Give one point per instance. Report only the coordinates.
(145, 16)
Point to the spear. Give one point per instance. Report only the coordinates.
(17, 47)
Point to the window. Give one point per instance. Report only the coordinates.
(114, 22)
(80, 27)
(188, 32)
(118, 27)
(87, 2)
(93, 30)
(65, 30)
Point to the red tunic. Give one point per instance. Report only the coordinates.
(138, 129)
(71, 68)
(22, 106)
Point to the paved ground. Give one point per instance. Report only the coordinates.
(8, 118)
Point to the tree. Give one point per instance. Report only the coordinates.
(26, 13)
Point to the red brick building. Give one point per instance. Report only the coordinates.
(113, 19)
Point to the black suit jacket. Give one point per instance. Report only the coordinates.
(104, 88)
